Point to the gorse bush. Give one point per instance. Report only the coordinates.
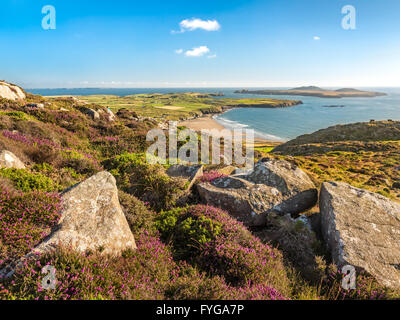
(15, 114)
(187, 232)
(26, 181)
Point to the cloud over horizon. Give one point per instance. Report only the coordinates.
(197, 52)
(195, 23)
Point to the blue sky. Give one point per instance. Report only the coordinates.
(102, 43)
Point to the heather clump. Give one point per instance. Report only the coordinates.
(366, 287)
(25, 219)
(254, 292)
(71, 121)
(250, 262)
(141, 274)
(210, 176)
(45, 150)
(219, 245)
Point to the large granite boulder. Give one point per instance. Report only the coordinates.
(10, 160)
(91, 220)
(362, 229)
(273, 185)
(246, 201)
(11, 91)
(298, 191)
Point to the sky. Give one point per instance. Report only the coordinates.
(188, 43)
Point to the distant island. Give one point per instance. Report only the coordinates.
(317, 92)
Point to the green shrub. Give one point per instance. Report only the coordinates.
(148, 182)
(139, 217)
(19, 115)
(166, 222)
(27, 181)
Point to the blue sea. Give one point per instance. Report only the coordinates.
(283, 123)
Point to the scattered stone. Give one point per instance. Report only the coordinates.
(92, 113)
(35, 105)
(362, 229)
(10, 160)
(111, 116)
(396, 185)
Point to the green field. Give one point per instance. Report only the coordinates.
(179, 106)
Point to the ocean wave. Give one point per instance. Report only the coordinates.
(230, 124)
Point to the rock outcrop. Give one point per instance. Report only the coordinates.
(362, 229)
(11, 91)
(10, 160)
(274, 185)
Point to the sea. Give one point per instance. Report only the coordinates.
(280, 124)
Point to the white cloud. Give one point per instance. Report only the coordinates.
(179, 51)
(317, 38)
(197, 52)
(212, 56)
(194, 24)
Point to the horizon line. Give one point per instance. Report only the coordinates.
(202, 87)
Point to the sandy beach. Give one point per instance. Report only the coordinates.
(198, 124)
(209, 123)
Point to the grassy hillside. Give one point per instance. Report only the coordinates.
(180, 106)
(194, 252)
(365, 155)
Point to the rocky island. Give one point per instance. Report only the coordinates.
(314, 91)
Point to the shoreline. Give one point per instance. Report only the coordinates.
(207, 122)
